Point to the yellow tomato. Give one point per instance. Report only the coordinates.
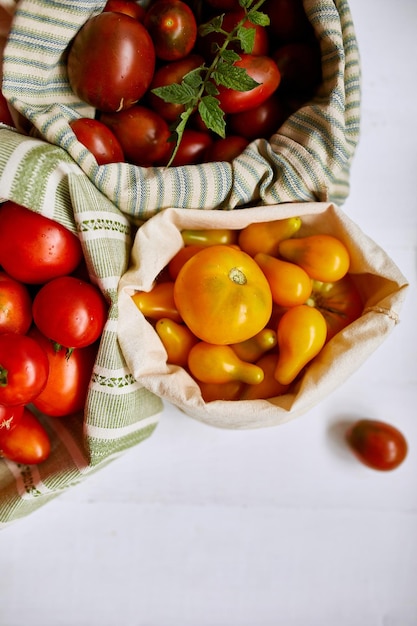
(266, 236)
(209, 237)
(290, 284)
(222, 295)
(216, 364)
(157, 303)
(323, 257)
(177, 340)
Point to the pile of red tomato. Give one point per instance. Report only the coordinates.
(51, 319)
(120, 56)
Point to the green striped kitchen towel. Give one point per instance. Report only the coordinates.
(308, 159)
(119, 412)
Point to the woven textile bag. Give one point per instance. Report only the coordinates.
(308, 158)
(379, 281)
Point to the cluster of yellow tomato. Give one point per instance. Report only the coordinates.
(244, 311)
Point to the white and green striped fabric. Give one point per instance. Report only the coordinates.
(308, 159)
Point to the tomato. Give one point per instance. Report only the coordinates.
(217, 364)
(269, 387)
(70, 311)
(266, 236)
(129, 7)
(5, 115)
(264, 71)
(24, 369)
(173, 28)
(377, 444)
(27, 442)
(323, 257)
(299, 64)
(259, 122)
(226, 148)
(34, 248)
(98, 139)
(9, 416)
(177, 340)
(192, 148)
(209, 236)
(290, 284)
(180, 258)
(301, 335)
(288, 20)
(143, 134)
(158, 303)
(69, 377)
(211, 42)
(222, 295)
(253, 348)
(111, 61)
(339, 302)
(172, 72)
(221, 391)
(15, 306)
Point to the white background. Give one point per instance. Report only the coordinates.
(204, 527)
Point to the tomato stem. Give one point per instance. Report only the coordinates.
(237, 276)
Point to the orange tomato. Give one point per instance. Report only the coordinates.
(157, 303)
(290, 284)
(266, 236)
(217, 364)
(220, 391)
(209, 237)
(222, 295)
(177, 340)
(323, 257)
(254, 347)
(269, 387)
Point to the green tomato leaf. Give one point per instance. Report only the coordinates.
(176, 93)
(212, 115)
(213, 26)
(234, 77)
(230, 56)
(246, 38)
(258, 18)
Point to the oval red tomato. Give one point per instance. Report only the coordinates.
(130, 7)
(24, 369)
(70, 311)
(27, 442)
(69, 377)
(173, 28)
(192, 148)
(98, 139)
(261, 121)
(9, 416)
(111, 61)
(377, 444)
(226, 148)
(33, 248)
(264, 71)
(15, 305)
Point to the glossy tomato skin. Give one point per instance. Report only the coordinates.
(192, 148)
(5, 115)
(69, 377)
(70, 311)
(259, 122)
(15, 306)
(226, 148)
(376, 444)
(142, 133)
(24, 369)
(262, 69)
(98, 139)
(129, 7)
(111, 61)
(173, 28)
(168, 74)
(33, 248)
(27, 442)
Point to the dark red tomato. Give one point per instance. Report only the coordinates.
(192, 148)
(226, 148)
(142, 133)
(69, 377)
(260, 122)
(288, 21)
(262, 69)
(70, 311)
(98, 139)
(173, 28)
(24, 369)
(9, 416)
(34, 248)
(5, 115)
(27, 442)
(299, 64)
(129, 7)
(15, 305)
(111, 61)
(377, 444)
(172, 72)
(208, 43)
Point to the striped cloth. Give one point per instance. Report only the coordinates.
(308, 159)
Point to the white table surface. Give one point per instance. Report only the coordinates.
(205, 527)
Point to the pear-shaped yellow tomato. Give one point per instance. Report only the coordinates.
(323, 257)
(290, 284)
(217, 364)
(157, 303)
(301, 335)
(266, 236)
(269, 387)
(209, 237)
(177, 340)
(222, 295)
(253, 348)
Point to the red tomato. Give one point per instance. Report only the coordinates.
(70, 311)
(262, 121)
(5, 115)
(69, 377)
(172, 72)
(377, 444)
(142, 133)
(262, 69)
(15, 306)
(299, 64)
(288, 20)
(27, 442)
(173, 28)
(9, 416)
(129, 7)
(99, 139)
(192, 148)
(24, 369)
(225, 149)
(33, 248)
(111, 61)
